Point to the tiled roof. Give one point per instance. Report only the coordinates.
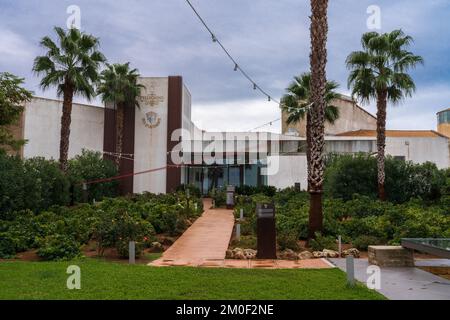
(393, 133)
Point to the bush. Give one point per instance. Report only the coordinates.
(7, 246)
(58, 247)
(219, 196)
(321, 242)
(246, 190)
(347, 175)
(288, 241)
(90, 166)
(193, 190)
(364, 241)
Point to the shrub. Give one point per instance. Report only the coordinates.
(219, 196)
(7, 246)
(11, 184)
(123, 246)
(246, 190)
(90, 166)
(288, 241)
(58, 247)
(364, 241)
(193, 190)
(321, 242)
(347, 175)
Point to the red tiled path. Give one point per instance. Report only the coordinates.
(206, 239)
(204, 244)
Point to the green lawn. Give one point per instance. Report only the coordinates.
(106, 280)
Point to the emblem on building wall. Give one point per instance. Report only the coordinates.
(151, 120)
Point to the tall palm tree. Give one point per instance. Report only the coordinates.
(296, 104)
(71, 65)
(318, 61)
(118, 85)
(380, 72)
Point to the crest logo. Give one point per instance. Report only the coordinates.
(151, 120)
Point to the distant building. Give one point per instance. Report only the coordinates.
(164, 148)
(443, 119)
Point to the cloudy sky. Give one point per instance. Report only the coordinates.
(269, 39)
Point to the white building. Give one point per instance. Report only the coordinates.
(151, 146)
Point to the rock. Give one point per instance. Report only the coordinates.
(330, 253)
(317, 254)
(304, 255)
(351, 252)
(288, 254)
(249, 253)
(238, 253)
(157, 247)
(229, 254)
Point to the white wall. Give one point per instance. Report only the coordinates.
(150, 144)
(43, 126)
(420, 150)
(291, 169)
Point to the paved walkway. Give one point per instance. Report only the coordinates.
(204, 244)
(403, 283)
(206, 239)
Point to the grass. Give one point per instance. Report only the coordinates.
(106, 280)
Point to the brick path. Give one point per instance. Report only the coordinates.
(204, 244)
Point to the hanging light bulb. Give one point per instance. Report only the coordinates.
(235, 67)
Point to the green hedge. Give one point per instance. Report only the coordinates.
(37, 184)
(347, 175)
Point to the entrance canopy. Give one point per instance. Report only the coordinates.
(437, 247)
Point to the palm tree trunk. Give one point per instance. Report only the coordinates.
(381, 142)
(66, 120)
(318, 60)
(308, 146)
(119, 133)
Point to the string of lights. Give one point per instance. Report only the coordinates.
(237, 67)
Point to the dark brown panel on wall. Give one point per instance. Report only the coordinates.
(174, 121)
(109, 132)
(127, 165)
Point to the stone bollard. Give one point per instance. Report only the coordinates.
(350, 269)
(132, 252)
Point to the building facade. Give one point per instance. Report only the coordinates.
(162, 147)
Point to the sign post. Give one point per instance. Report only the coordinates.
(266, 233)
(230, 197)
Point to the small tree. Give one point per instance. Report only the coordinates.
(12, 99)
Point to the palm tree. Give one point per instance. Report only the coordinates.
(296, 104)
(379, 72)
(118, 85)
(72, 67)
(318, 61)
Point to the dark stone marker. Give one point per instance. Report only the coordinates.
(266, 233)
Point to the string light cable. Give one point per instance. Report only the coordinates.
(237, 67)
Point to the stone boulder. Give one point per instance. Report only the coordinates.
(249, 254)
(238, 253)
(351, 252)
(330, 253)
(229, 254)
(304, 255)
(318, 254)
